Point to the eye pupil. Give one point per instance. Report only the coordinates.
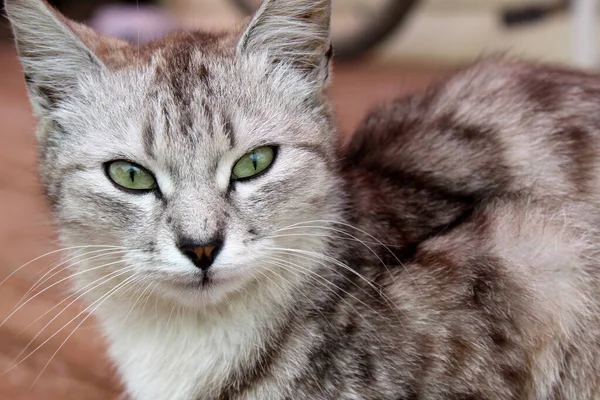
(254, 158)
(132, 174)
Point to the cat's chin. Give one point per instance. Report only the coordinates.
(201, 293)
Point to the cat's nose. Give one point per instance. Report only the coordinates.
(202, 255)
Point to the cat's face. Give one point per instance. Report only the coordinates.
(190, 147)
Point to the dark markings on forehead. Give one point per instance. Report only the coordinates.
(203, 75)
(148, 136)
(181, 86)
(228, 130)
(167, 118)
(186, 121)
(183, 75)
(208, 114)
(205, 102)
(178, 76)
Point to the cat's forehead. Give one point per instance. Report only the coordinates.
(221, 97)
(185, 108)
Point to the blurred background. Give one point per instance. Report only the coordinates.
(385, 49)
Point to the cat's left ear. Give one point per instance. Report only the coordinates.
(293, 32)
(52, 51)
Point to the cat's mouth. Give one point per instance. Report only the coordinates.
(199, 281)
(195, 285)
(201, 288)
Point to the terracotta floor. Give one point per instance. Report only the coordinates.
(80, 370)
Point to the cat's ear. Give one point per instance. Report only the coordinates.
(51, 51)
(294, 32)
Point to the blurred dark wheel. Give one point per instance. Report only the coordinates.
(83, 10)
(358, 25)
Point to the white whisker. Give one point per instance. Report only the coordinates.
(54, 284)
(304, 295)
(50, 253)
(325, 282)
(45, 278)
(389, 301)
(137, 300)
(301, 225)
(104, 297)
(79, 295)
(121, 285)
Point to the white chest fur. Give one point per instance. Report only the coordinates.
(178, 355)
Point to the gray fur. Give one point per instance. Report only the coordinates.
(448, 252)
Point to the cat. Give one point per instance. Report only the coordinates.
(448, 251)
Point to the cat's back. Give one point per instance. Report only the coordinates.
(497, 125)
(488, 186)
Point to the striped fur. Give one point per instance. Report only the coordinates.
(449, 251)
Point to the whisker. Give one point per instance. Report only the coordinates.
(325, 282)
(170, 315)
(137, 300)
(281, 277)
(41, 280)
(122, 284)
(323, 235)
(322, 263)
(48, 254)
(351, 238)
(389, 301)
(327, 258)
(111, 291)
(54, 284)
(79, 295)
(299, 225)
(354, 238)
(298, 268)
(348, 226)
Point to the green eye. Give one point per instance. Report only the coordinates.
(253, 163)
(130, 176)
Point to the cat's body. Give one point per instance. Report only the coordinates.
(448, 252)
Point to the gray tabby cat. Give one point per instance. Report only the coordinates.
(449, 252)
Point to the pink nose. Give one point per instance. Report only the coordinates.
(206, 251)
(202, 256)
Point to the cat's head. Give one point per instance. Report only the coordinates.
(202, 158)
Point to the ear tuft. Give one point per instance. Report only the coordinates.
(53, 56)
(296, 32)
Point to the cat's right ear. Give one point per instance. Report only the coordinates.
(53, 55)
(293, 32)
